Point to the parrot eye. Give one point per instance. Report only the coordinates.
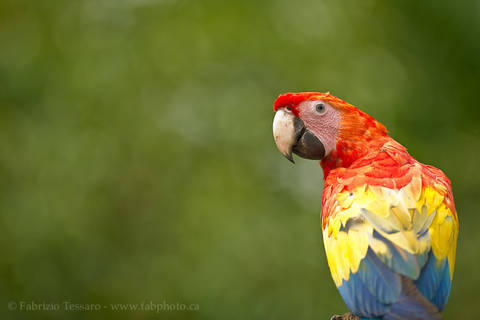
(320, 108)
(288, 108)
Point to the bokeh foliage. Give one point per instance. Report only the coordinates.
(137, 158)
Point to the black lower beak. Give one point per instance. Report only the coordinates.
(308, 146)
(291, 136)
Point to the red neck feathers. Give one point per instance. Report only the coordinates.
(359, 133)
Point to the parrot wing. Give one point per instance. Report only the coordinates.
(390, 231)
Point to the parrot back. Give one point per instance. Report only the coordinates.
(390, 231)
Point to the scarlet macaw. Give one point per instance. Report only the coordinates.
(389, 222)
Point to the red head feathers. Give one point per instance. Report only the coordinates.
(357, 131)
(355, 123)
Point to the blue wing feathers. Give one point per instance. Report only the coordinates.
(440, 299)
(371, 288)
(434, 281)
(358, 299)
(430, 278)
(381, 281)
(409, 309)
(388, 291)
(412, 305)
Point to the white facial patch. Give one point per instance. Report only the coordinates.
(324, 125)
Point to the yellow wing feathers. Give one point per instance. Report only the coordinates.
(413, 218)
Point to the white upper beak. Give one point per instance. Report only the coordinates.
(284, 132)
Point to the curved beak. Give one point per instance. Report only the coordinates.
(291, 135)
(286, 129)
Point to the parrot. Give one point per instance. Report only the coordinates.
(388, 222)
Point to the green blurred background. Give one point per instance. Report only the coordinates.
(138, 162)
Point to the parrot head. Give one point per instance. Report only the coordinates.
(320, 126)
